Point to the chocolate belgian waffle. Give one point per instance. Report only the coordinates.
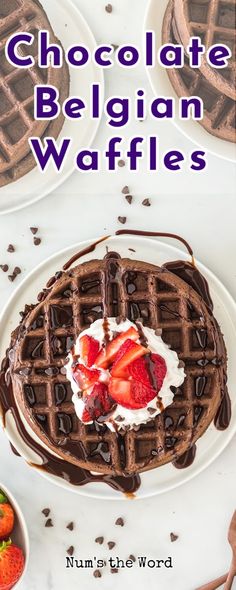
(219, 110)
(214, 21)
(116, 287)
(17, 123)
(52, 130)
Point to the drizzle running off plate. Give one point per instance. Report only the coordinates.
(153, 251)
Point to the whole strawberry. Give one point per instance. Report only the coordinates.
(6, 517)
(11, 565)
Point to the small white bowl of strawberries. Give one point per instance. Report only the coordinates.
(14, 541)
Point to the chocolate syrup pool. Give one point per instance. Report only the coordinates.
(76, 475)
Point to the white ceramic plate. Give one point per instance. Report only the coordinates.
(70, 27)
(150, 250)
(162, 86)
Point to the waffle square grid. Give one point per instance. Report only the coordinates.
(54, 326)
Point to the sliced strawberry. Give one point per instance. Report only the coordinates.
(107, 355)
(138, 370)
(141, 394)
(86, 416)
(129, 352)
(159, 370)
(98, 402)
(120, 391)
(85, 377)
(89, 349)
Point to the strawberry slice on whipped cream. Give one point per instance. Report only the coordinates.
(122, 374)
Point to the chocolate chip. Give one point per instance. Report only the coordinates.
(17, 270)
(121, 163)
(125, 190)
(146, 203)
(132, 558)
(46, 512)
(70, 526)
(129, 199)
(114, 570)
(111, 545)
(48, 523)
(71, 550)
(99, 540)
(131, 250)
(115, 47)
(109, 8)
(119, 419)
(34, 230)
(173, 537)
(4, 267)
(122, 219)
(120, 521)
(11, 278)
(37, 241)
(158, 331)
(151, 410)
(97, 574)
(10, 248)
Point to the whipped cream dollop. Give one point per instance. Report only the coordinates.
(121, 416)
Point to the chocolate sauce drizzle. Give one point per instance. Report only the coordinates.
(54, 465)
(188, 272)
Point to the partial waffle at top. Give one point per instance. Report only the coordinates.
(214, 21)
(17, 122)
(121, 288)
(219, 110)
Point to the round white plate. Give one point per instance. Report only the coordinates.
(71, 28)
(150, 250)
(162, 86)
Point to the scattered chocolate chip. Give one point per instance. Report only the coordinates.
(71, 550)
(4, 267)
(146, 203)
(111, 545)
(125, 190)
(119, 419)
(46, 512)
(99, 540)
(120, 522)
(129, 199)
(48, 523)
(37, 241)
(173, 537)
(70, 526)
(132, 558)
(131, 250)
(10, 248)
(109, 8)
(115, 47)
(34, 230)
(114, 570)
(11, 278)
(97, 574)
(17, 270)
(122, 219)
(121, 163)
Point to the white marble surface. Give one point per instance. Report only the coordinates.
(202, 208)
